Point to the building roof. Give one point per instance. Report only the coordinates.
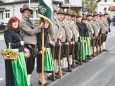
(112, 8)
(70, 6)
(1, 1)
(57, 2)
(98, 1)
(17, 2)
(26, 1)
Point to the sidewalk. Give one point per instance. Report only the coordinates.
(1, 36)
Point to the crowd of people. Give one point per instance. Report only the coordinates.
(73, 40)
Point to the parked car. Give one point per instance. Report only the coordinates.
(2, 26)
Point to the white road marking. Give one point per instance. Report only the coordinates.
(2, 79)
(1, 60)
(112, 48)
(1, 37)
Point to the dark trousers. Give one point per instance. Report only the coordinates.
(93, 42)
(113, 23)
(103, 38)
(56, 52)
(30, 62)
(76, 51)
(9, 73)
(96, 41)
(63, 50)
(39, 63)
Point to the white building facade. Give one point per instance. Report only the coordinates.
(11, 0)
(77, 3)
(103, 6)
(7, 10)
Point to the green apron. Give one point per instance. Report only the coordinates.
(48, 61)
(88, 47)
(81, 52)
(19, 71)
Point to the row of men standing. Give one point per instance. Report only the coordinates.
(80, 38)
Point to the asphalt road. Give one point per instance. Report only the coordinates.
(98, 72)
(2, 68)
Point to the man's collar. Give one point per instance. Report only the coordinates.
(25, 18)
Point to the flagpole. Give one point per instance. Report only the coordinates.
(42, 56)
(44, 14)
(29, 3)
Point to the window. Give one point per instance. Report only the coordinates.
(1, 15)
(34, 15)
(7, 13)
(66, 1)
(105, 0)
(105, 9)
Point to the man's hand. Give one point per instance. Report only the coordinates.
(52, 43)
(60, 44)
(93, 37)
(60, 37)
(41, 51)
(26, 53)
(41, 25)
(73, 42)
(67, 43)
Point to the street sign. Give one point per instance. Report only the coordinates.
(84, 10)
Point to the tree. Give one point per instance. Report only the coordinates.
(90, 5)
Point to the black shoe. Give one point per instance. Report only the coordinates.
(105, 50)
(49, 77)
(76, 62)
(56, 74)
(30, 85)
(64, 70)
(63, 73)
(46, 84)
(57, 77)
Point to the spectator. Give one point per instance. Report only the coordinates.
(113, 20)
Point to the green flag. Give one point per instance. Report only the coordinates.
(45, 10)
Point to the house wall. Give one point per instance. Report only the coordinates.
(11, 0)
(107, 0)
(112, 13)
(15, 11)
(72, 2)
(101, 5)
(76, 2)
